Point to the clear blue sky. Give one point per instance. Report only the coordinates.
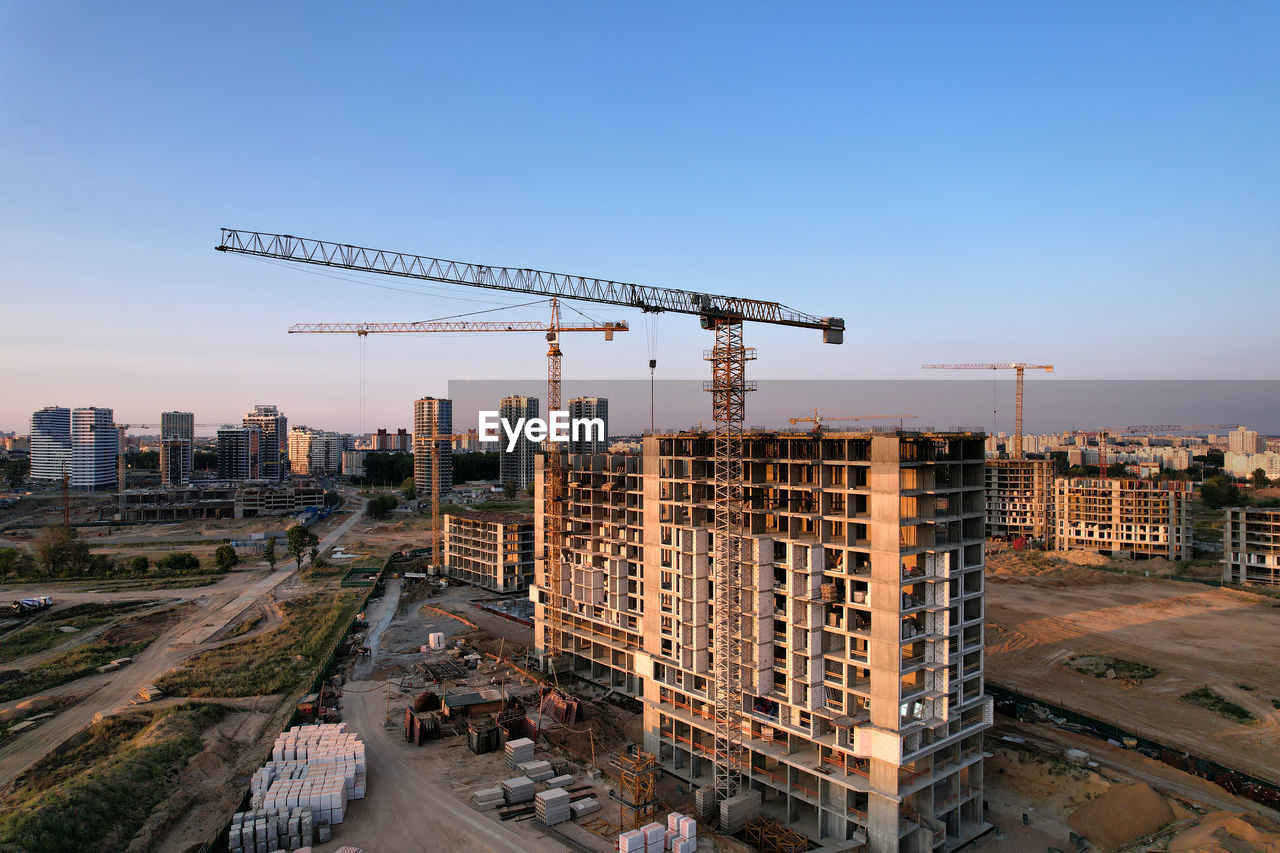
(1090, 184)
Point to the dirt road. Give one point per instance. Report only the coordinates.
(406, 808)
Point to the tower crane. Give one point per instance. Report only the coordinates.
(722, 315)
(553, 486)
(818, 419)
(1021, 367)
(1105, 433)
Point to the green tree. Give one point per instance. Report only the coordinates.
(297, 540)
(1117, 469)
(139, 564)
(17, 562)
(381, 506)
(147, 460)
(332, 499)
(475, 466)
(61, 552)
(179, 563)
(226, 557)
(1259, 478)
(509, 489)
(269, 552)
(407, 487)
(15, 471)
(1218, 492)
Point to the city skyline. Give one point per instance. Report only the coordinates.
(959, 164)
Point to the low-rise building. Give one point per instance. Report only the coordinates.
(220, 500)
(1251, 546)
(493, 550)
(1118, 516)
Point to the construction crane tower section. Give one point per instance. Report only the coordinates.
(1021, 367)
(722, 315)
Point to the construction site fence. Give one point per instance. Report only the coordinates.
(219, 843)
(1236, 782)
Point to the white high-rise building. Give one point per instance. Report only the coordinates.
(581, 408)
(1241, 440)
(50, 443)
(275, 440)
(313, 451)
(426, 412)
(94, 445)
(516, 465)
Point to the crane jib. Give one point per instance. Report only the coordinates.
(523, 280)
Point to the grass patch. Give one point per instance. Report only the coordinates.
(1099, 665)
(1206, 698)
(274, 662)
(95, 792)
(245, 627)
(45, 634)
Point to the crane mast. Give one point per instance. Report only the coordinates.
(722, 315)
(1020, 368)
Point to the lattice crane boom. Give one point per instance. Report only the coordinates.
(723, 315)
(1021, 367)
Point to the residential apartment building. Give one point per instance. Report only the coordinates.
(1251, 546)
(400, 441)
(589, 408)
(94, 448)
(490, 549)
(1019, 498)
(274, 442)
(862, 597)
(427, 412)
(239, 453)
(1117, 516)
(50, 441)
(516, 465)
(1242, 465)
(1241, 440)
(177, 443)
(314, 451)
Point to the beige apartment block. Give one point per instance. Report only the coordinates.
(1020, 498)
(863, 704)
(1117, 517)
(1251, 546)
(493, 550)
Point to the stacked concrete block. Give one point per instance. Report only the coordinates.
(318, 767)
(552, 806)
(655, 837)
(538, 771)
(583, 807)
(631, 842)
(263, 831)
(435, 640)
(562, 781)
(519, 751)
(737, 810)
(518, 790)
(488, 798)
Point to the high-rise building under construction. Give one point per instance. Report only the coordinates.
(862, 707)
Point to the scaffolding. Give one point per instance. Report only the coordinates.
(638, 789)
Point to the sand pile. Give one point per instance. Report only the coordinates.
(1224, 832)
(1015, 568)
(1122, 815)
(1083, 558)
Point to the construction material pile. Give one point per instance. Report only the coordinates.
(559, 706)
(262, 831)
(517, 790)
(552, 806)
(737, 810)
(680, 835)
(435, 640)
(488, 798)
(538, 771)
(519, 751)
(316, 767)
(584, 807)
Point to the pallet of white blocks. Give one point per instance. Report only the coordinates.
(552, 806)
(538, 771)
(320, 767)
(737, 810)
(584, 807)
(518, 790)
(682, 833)
(488, 798)
(655, 837)
(263, 831)
(631, 841)
(519, 751)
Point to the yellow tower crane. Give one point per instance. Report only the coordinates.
(724, 317)
(818, 419)
(552, 480)
(1021, 367)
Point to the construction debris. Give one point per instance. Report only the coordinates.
(770, 836)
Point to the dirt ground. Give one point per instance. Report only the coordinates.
(1195, 635)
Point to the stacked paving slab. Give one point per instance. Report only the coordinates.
(263, 831)
(488, 798)
(538, 771)
(519, 751)
(518, 790)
